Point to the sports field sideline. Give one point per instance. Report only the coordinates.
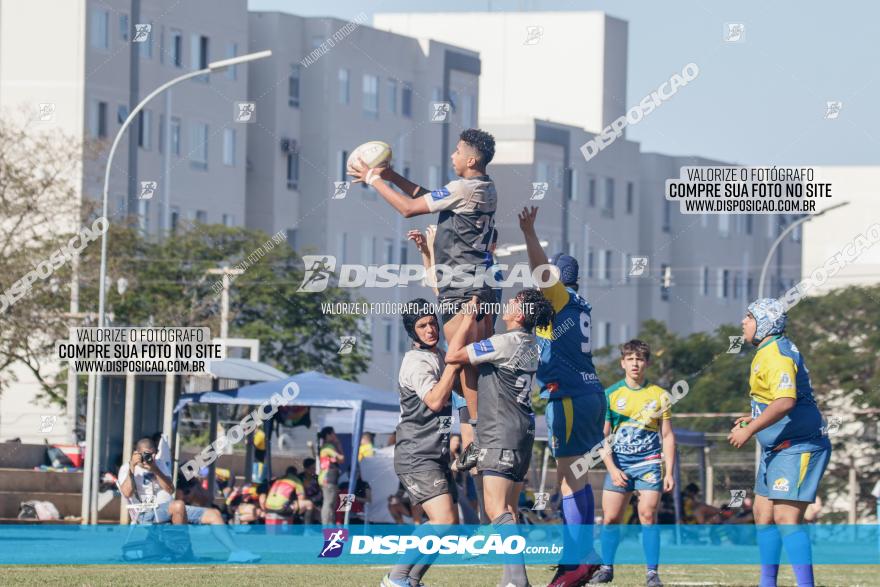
(365, 576)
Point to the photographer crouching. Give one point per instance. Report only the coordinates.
(145, 480)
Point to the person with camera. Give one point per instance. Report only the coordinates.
(146, 480)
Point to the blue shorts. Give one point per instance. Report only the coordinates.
(642, 476)
(160, 515)
(791, 476)
(458, 402)
(575, 424)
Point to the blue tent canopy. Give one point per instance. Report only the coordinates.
(315, 390)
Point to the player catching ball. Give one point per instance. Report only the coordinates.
(795, 449)
(576, 402)
(466, 208)
(421, 455)
(506, 432)
(638, 416)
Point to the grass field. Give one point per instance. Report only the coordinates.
(358, 576)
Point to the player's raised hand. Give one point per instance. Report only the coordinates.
(430, 235)
(419, 239)
(527, 219)
(470, 308)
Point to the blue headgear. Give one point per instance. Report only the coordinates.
(770, 317)
(568, 268)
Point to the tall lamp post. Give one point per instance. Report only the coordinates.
(93, 404)
(782, 236)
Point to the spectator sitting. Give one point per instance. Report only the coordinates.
(243, 503)
(193, 492)
(695, 511)
(145, 481)
(284, 500)
(312, 491)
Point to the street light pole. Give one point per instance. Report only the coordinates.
(782, 236)
(94, 404)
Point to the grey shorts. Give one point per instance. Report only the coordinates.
(425, 485)
(504, 462)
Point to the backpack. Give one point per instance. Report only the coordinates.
(282, 495)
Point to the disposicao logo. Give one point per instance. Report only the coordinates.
(334, 540)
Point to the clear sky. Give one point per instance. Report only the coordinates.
(761, 101)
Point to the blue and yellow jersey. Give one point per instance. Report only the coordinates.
(635, 416)
(778, 371)
(566, 367)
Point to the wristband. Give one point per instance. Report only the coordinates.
(371, 178)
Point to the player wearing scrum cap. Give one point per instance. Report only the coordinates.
(795, 448)
(421, 455)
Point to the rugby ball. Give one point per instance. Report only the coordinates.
(373, 153)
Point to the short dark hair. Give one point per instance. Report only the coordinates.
(636, 347)
(481, 141)
(290, 471)
(537, 310)
(308, 463)
(325, 432)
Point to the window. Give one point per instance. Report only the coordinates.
(232, 51)
(608, 208)
(293, 86)
(403, 252)
(291, 237)
(201, 216)
(342, 84)
(604, 264)
(121, 113)
(176, 48)
(469, 111)
(146, 46)
(198, 155)
(144, 215)
(750, 222)
(723, 276)
(750, 287)
(175, 136)
(228, 220)
(624, 333)
(368, 249)
(145, 129)
(572, 184)
(772, 226)
(724, 225)
(228, 146)
(392, 96)
(591, 192)
(98, 120)
(630, 197)
(664, 282)
(341, 246)
(433, 177)
(667, 216)
(343, 165)
(175, 219)
(371, 96)
(406, 94)
(387, 326)
(389, 250)
(737, 286)
(124, 29)
(590, 263)
(100, 29)
(604, 334)
(625, 264)
(704, 281)
(199, 52)
(293, 170)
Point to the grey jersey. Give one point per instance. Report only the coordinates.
(464, 229)
(422, 434)
(507, 365)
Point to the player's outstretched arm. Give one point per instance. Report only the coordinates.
(535, 251)
(408, 187)
(405, 205)
(668, 438)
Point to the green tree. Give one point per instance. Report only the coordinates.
(168, 284)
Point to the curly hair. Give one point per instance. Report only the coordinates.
(481, 141)
(537, 310)
(635, 347)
